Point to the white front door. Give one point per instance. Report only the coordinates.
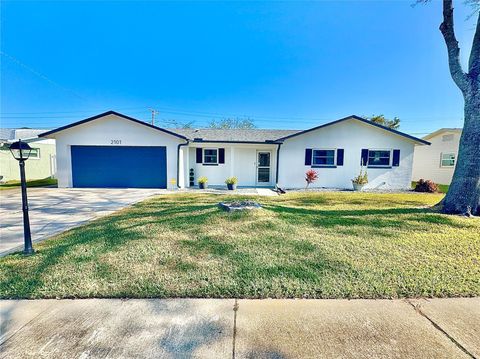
(263, 171)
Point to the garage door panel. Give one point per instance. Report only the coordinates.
(119, 166)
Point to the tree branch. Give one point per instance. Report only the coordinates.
(448, 32)
(474, 62)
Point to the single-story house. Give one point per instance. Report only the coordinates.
(41, 163)
(114, 150)
(437, 161)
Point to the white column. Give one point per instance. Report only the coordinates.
(186, 173)
(232, 160)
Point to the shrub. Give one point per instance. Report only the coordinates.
(231, 180)
(203, 179)
(426, 186)
(310, 176)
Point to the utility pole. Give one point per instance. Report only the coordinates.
(154, 112)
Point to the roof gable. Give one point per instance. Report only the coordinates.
(363, 120)
(45, 134)
(440, 131)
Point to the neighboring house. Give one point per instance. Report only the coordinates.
(41, 163)
(114, 150)
(437, 161)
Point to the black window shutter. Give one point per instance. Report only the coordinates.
(340, 156)
(221, 155)
(199, 155)
(364, 160)
(308, 157)
(396, 158)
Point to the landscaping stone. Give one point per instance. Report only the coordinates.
(239, 206)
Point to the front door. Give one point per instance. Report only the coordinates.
(263, 167)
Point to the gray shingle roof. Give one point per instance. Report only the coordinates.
(11, 134)
(236, 135)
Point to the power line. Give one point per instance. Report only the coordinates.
(40, 75)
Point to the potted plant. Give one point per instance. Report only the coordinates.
(231, 183)
(360, 181)
(203, 182)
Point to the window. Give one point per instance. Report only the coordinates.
(447, 138)
(35, 153)
(323, 157)
(210, 156)
(448, 160)
(379, 158)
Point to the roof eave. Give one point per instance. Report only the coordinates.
(363, 120)
(74, 124)
(268, 142)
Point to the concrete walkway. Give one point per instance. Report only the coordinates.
(214, 328)
(54, 210)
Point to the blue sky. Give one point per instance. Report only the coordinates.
(283, 64)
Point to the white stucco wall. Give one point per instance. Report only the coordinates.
(240, 161)
(101, 132)
(351, 136)
(426, 161)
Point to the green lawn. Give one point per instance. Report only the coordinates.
(33, 183)
(312, 245)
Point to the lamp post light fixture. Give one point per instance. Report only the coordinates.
(21, 151)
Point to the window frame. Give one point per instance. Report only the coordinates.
(334, 164)
(36, 157)
(454, 159)
(210, 163)
(390, 159)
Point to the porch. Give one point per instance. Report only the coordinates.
(254, 165)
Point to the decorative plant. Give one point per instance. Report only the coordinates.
(426, 186)
(310, 176)
(203, 179)
(231, 180)
(362, 177)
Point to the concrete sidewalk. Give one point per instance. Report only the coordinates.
(215, 328)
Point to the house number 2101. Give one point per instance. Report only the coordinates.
(115, 142)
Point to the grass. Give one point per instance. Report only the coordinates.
(33, 183)
(303, 245)
(442, 188)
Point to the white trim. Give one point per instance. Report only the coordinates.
(390, 160)
(257, 182)
(203, 156)
(325, 149)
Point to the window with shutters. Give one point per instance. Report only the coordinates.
(323, 157)
(379, 158)
(210, 156)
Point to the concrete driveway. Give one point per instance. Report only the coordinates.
(54, 210)
(229, 328)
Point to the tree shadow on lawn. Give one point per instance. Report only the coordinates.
(109, 234)
(283, 276)
(374, 218)
(100, 237)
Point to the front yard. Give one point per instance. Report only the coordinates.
(45, 182)
(312, 245)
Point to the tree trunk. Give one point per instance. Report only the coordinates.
(463, 196)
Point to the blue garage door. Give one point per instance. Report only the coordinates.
(119, 167)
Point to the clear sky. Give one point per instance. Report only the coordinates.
(283, 64)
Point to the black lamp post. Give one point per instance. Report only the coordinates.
(21, 151)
